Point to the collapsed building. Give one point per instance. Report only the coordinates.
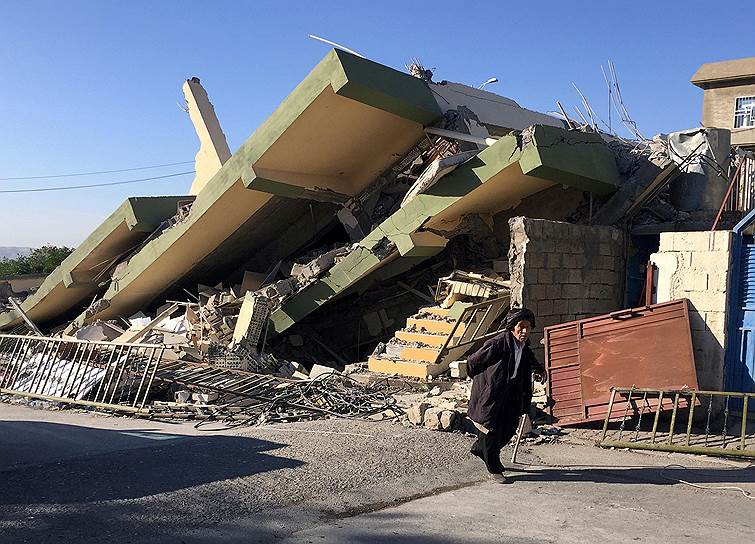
(322, 238)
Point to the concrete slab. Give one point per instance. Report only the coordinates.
(342, 126)
(75, 280)
(494, 180)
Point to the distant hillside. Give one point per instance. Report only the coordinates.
(13, 252)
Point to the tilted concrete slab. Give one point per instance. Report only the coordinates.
(75, 280)
(492, 181)
(347, 122)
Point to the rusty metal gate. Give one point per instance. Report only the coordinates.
(650, 346)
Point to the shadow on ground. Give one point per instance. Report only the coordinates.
(636, 474)
(143, 464)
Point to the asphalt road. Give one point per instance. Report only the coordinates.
(69, 477)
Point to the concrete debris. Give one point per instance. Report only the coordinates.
(458, 369)
(279, 290)
(204, 398)
(436, 170)
(464, 286)
(138, 321)
(416, 413)
(252, 318)
(182, 396)
(438, 419)
(306, 273)
(434, 392)
(99, 331)
(319, 370)
(326, 249)
(417, 70)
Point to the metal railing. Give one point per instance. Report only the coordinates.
(720, 429)
(741, 193)
(476, 321)
(97, 374)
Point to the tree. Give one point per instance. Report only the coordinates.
(42, 260)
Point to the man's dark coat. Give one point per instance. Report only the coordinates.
(496, 397)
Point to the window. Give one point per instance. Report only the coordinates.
(744, 116)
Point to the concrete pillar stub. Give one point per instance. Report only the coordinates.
(213, 146)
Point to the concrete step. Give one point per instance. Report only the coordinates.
(435, 326)
(426, 355)
(435, 340)
(435, 310)
(414, 369)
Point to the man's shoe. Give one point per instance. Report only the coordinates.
(498, 477)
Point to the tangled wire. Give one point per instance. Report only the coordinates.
(328, 395)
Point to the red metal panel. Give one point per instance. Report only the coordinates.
(648, 347)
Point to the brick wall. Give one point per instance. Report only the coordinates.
(695, 266)
(565, 272)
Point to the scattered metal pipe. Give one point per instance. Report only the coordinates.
(26, 318)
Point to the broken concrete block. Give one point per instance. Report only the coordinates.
(447, 420)
(439, 419)
(252, 318)
(434, 392)
(204, 398)
(354, 368)
(319, 370)
(182, 396)
(458, 369)
(279, 289)
(416, 413)
(139, 320)
(379, 349)
(432, 418)
(213, 146)
(100, 331)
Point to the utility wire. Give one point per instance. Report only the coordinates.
(70, 187)
(95, 173)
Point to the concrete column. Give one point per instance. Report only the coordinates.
(213, 147)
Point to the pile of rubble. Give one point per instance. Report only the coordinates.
(321, 240)
(444, 406)
(224, 327)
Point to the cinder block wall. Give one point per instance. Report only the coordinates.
(565, 272)
(719, 105)
(695, 266)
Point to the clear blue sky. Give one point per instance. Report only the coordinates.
(93, 85)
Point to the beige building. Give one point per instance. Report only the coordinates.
(729, 99)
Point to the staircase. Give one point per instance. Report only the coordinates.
(415, 349)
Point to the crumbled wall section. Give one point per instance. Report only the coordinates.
(564, 272)
(695, 266)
